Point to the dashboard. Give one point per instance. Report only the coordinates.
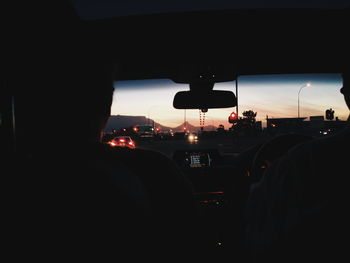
(205, 168)
(206, 158)
(219, 188)
(198, 159)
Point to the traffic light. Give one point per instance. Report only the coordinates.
(233, 117)
(330, 114)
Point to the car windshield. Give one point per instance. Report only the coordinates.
(268, 105)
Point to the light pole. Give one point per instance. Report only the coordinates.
(185, 127)
(303, 86)
(149, 114)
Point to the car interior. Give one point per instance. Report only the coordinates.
(216, 87)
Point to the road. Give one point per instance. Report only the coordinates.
(226, 146)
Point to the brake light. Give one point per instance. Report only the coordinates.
(113, 144)
(121, 140)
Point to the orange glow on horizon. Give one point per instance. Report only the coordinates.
(276, 99)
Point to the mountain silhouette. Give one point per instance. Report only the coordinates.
(123, 121)
(193, 128)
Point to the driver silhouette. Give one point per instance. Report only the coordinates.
(299, 208)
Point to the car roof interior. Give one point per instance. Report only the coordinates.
(228, 43)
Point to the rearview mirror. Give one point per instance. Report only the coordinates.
(204, 100)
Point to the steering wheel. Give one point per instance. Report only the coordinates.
(274, 149)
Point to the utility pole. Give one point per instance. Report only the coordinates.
(236, 96)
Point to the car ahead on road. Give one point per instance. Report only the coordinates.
(192, 137)
(122, 141)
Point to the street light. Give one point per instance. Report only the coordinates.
(303, 86)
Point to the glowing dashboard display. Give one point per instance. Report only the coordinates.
(198, 159)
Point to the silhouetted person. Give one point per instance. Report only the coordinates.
(272, 150)
(73, 195)
(299, 211)
(253, 161)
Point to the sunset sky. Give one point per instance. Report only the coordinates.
(272, 95)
